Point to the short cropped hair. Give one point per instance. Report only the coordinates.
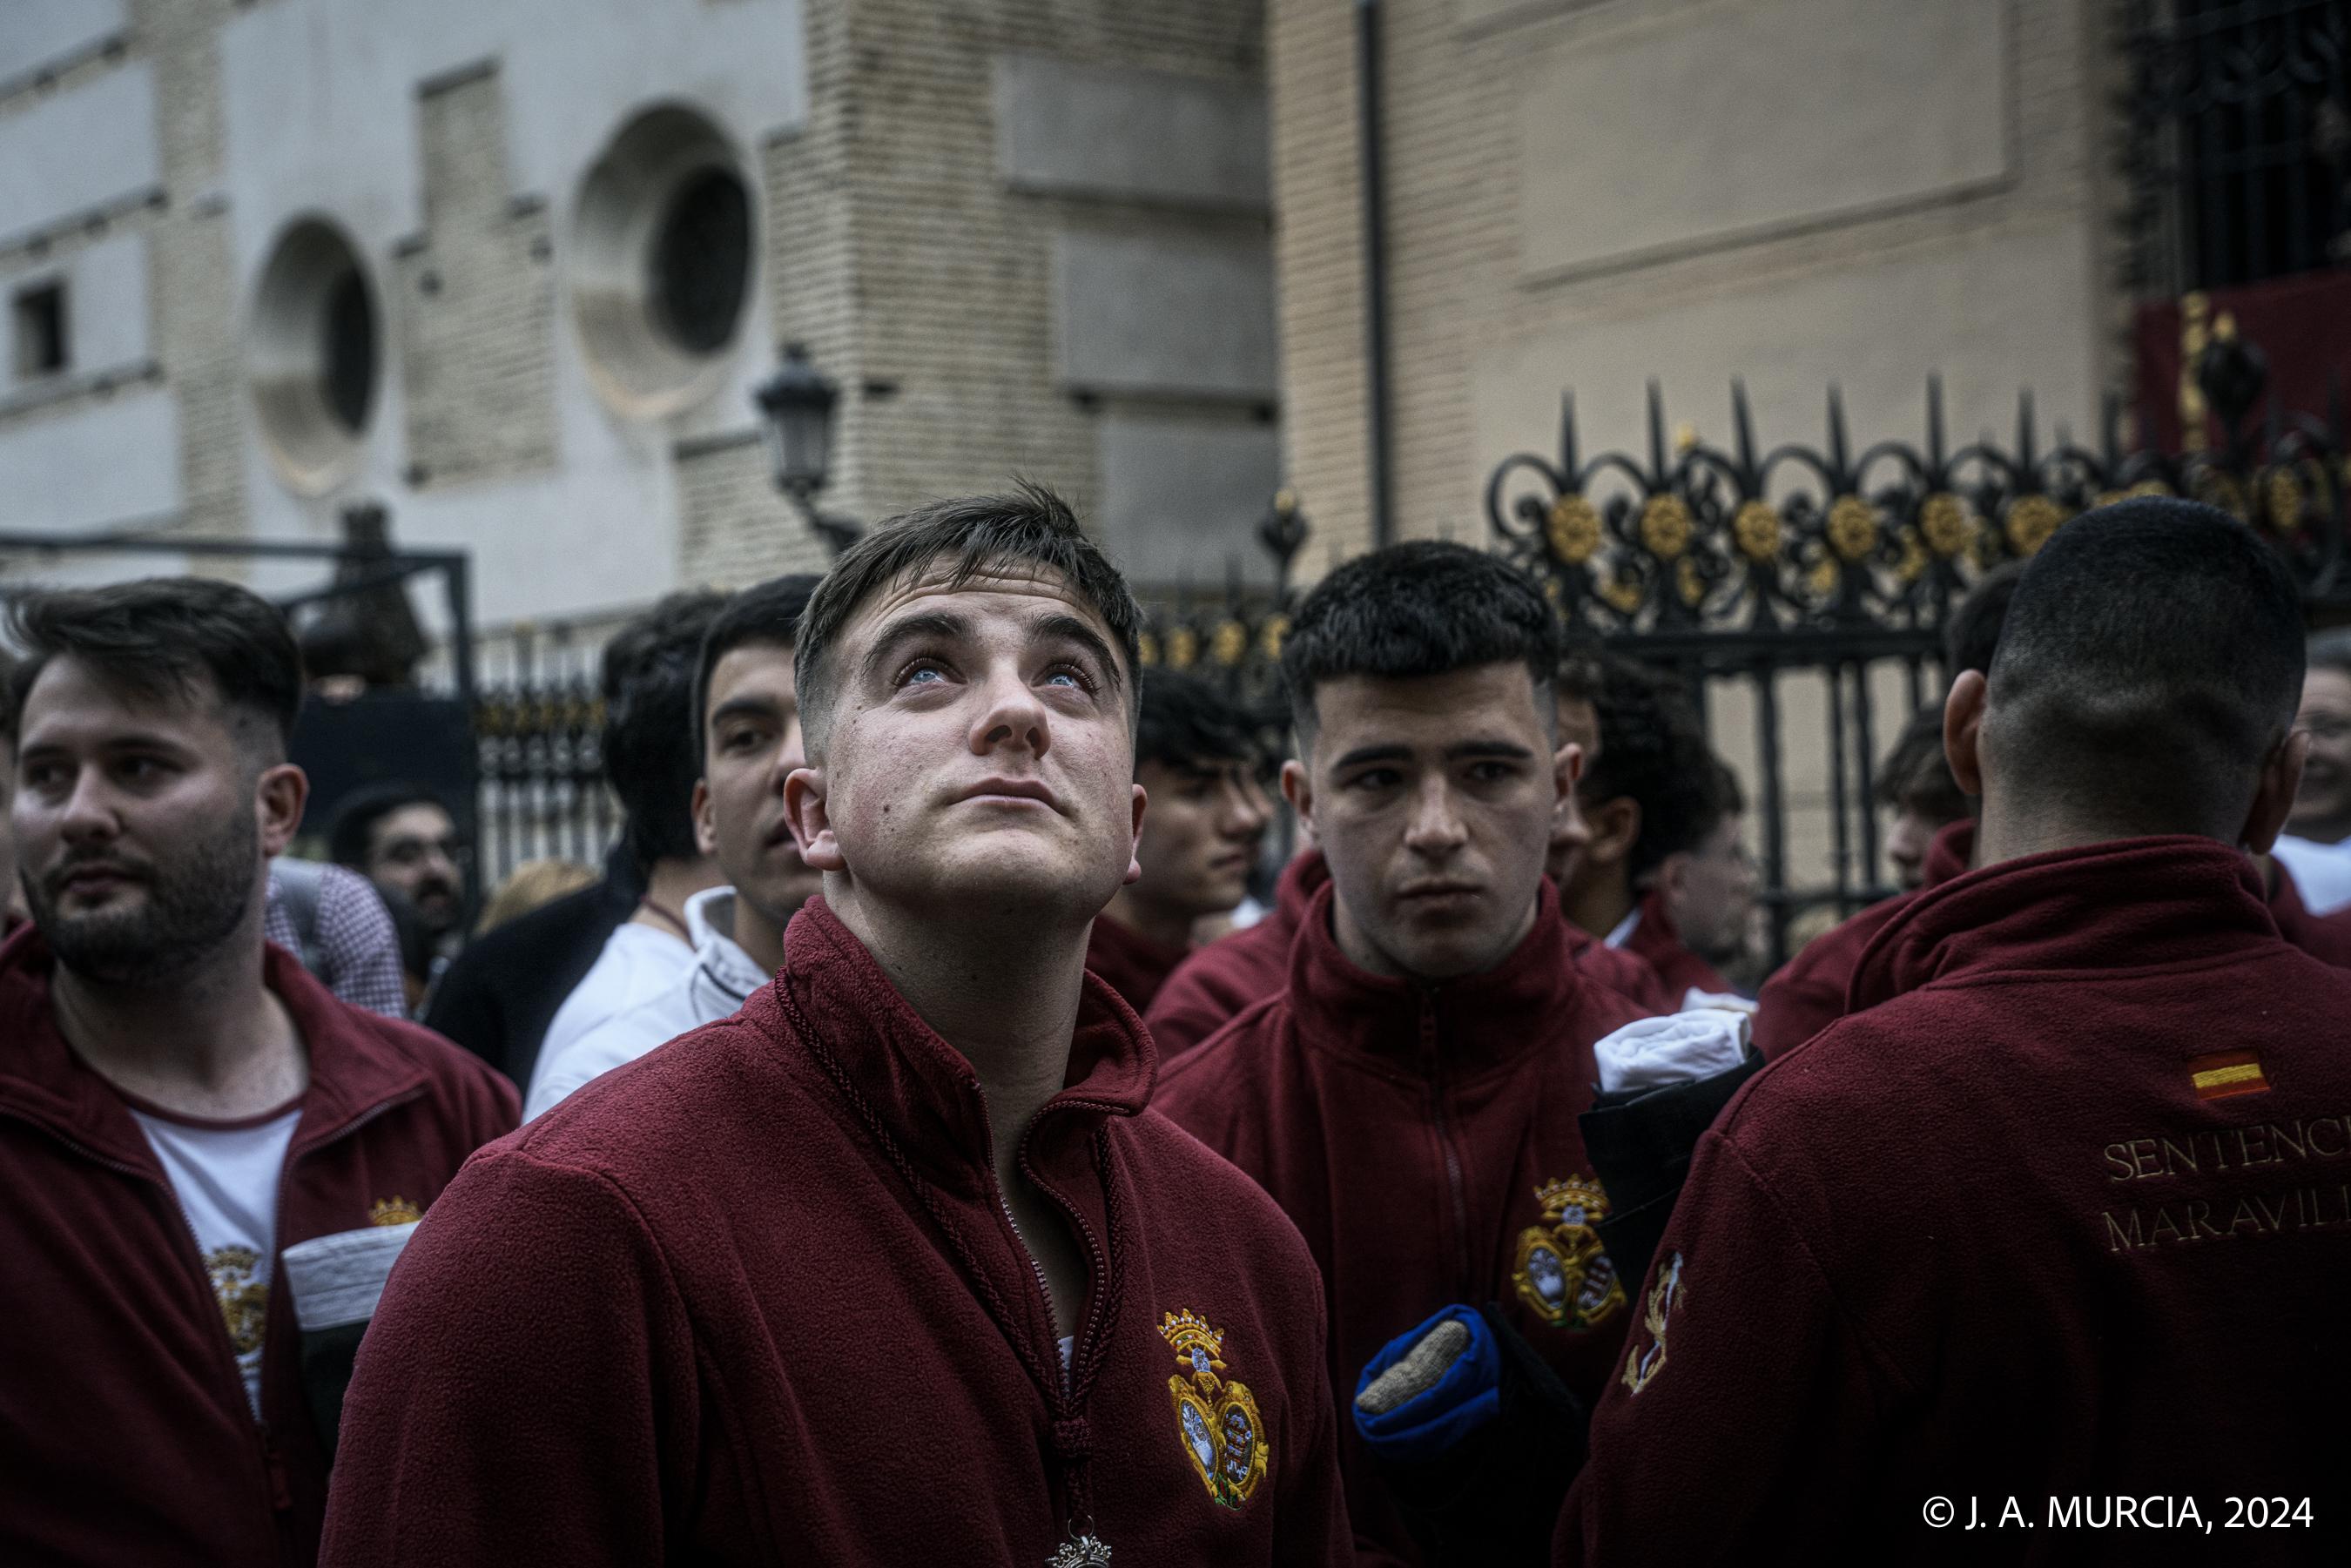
(1915, 775)
(2151, 663)
(765, 614)
(166, 637)
(1972, 634)
(1653, 750)
(1423, 608)
(1030, 529)
(1186, 721)
(649, 756)
(352, 833)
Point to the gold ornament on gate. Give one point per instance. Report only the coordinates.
(1853, 527)
(1573, 529)
(1147, 649)
(1943, 524)
(1229, 641)
(2281, 494)
(2031, 520)
(1623, 593)
(1269, 635)
(1182, 648)
(1665, 526)
(1758, 531)
(1692, 583)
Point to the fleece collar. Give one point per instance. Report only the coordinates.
(924, 1090)
(2127, 905)
(1460, 1026)
(353, 1071)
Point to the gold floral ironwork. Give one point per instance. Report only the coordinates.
(1944, 525)
(1269, 635)
(1623, 593)
(1853, 527)
(1913, 564)
(1146, 648)
(2031, 520)
(2282, 494)
(1182, 648)
(1665, 526)
(1574, 528)
(1228, 642)
(1691, 583)
(1757, 530)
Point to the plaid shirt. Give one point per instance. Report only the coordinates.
(357, 950)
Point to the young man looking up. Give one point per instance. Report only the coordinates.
(836, 1240)
(179, 1103)
(1982, 1239)
(747, 732)
(1195, 757)
(1411, 1098)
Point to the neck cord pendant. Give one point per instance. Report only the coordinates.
(1064, 1394)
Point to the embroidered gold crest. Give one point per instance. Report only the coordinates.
(1217, 1418)
(393, 1210)
(1561, 1272)
(244, 1300)
(1642, 1362)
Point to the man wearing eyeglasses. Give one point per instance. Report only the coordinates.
(403, 840)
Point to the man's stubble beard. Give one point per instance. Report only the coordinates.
(195, 902)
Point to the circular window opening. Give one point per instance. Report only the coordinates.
(664, 248)
(314, 360)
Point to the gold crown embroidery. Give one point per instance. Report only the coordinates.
(1215, 1417)
(244, 1300)
(1562, 1274)
(393, 1210)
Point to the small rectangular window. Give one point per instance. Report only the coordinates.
(39, 330)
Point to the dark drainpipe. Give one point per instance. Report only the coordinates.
(1375, 269)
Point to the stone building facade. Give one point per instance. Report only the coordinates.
(513, 270)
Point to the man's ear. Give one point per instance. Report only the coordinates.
(278, 795)
(1135, 850)
(1616, 828)
(706, 821)
(1670, 876)
(804, 808)
(1963, 713)
(1567, 768)
(1297, 788)
(2281, 780)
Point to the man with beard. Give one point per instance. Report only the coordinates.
(402, 838)
(747, 732)
(894, 1265)
(179, 1101)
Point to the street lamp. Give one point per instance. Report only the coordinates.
(796, 404)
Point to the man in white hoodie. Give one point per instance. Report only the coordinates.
(748, 732)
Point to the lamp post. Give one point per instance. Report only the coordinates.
(796, 403)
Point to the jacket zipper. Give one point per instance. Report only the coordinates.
(1445, 1138)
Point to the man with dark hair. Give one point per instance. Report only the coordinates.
(501, 993)
(181, 1103)
(2084, 1109)
(2317, 851)
(1915, 787)
(1411, 1098)
(1653, 791)
(892, 1266)
(648, 756)
(1196, 757)
(403, 838)
(747, 728)
(1706, 891)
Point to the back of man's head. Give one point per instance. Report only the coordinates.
(1186, 721)
(1029, 532)
(767, 615)
(170, 639)
(1424, 607)
(650, 755)
(1653, 751)
(2149, 668)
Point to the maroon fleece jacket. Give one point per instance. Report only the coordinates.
(1135, 964)
(1211, 987)
(1806, 994)
(702, 1312)
(1655, 942)
(125, 1436)
(2061, 1215)
(1424, 1139)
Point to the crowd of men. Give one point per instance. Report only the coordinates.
(918, 1146)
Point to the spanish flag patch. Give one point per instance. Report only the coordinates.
(2228, 1072)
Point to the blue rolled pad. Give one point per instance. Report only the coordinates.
(1468, 1396)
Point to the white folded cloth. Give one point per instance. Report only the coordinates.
(336, 1279)
(1680, 1048)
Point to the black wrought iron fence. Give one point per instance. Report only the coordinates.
(537, 727)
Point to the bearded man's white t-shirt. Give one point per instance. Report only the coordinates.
(224, 1174)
